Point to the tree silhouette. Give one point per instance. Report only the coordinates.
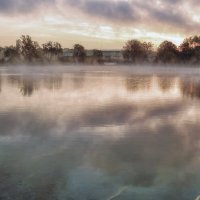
(11, 54)
(79, 53)
(196, 52)
(189, 50)
(28, 48)
(1, 54)
(52, 50)
(137, 51)
(98, 55)
(167, 52)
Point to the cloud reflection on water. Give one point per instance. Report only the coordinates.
(95, 136)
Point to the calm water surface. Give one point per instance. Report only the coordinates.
(99, 136)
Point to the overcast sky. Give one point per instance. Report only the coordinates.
(104, 24)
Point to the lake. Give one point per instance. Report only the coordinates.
(82, 134)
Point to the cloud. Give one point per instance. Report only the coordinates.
(119, 11)
(22, 6)
(165, 14)
(154, 20)
(160, 13)
(109, 10)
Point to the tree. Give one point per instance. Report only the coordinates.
(189, 50)
(10, 54)
(137, 51)
(185, 51)
(192, 41)
(52, 50)
(98, 55)
(29, 49)
(79, 53)
(196, 54)
(1, 54)
(167, 52)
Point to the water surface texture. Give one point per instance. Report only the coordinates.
(99, 136)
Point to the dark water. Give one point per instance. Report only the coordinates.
(99, 136)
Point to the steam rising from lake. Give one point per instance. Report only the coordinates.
(99, 135)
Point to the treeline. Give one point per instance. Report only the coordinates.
(167, 52)
(27, 51)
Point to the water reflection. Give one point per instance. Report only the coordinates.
(79, 79)
(27, 85)
(99, 136)
(53, 82)
(165, 83)
(27, 88)
(14, 80)
(191, 88)
(138, 83)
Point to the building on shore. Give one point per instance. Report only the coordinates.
(112, 55)
(107, 56)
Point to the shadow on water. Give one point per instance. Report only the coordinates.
(86, 136)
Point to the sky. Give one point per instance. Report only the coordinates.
(102, 24)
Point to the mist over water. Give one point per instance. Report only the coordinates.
(83, 134)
